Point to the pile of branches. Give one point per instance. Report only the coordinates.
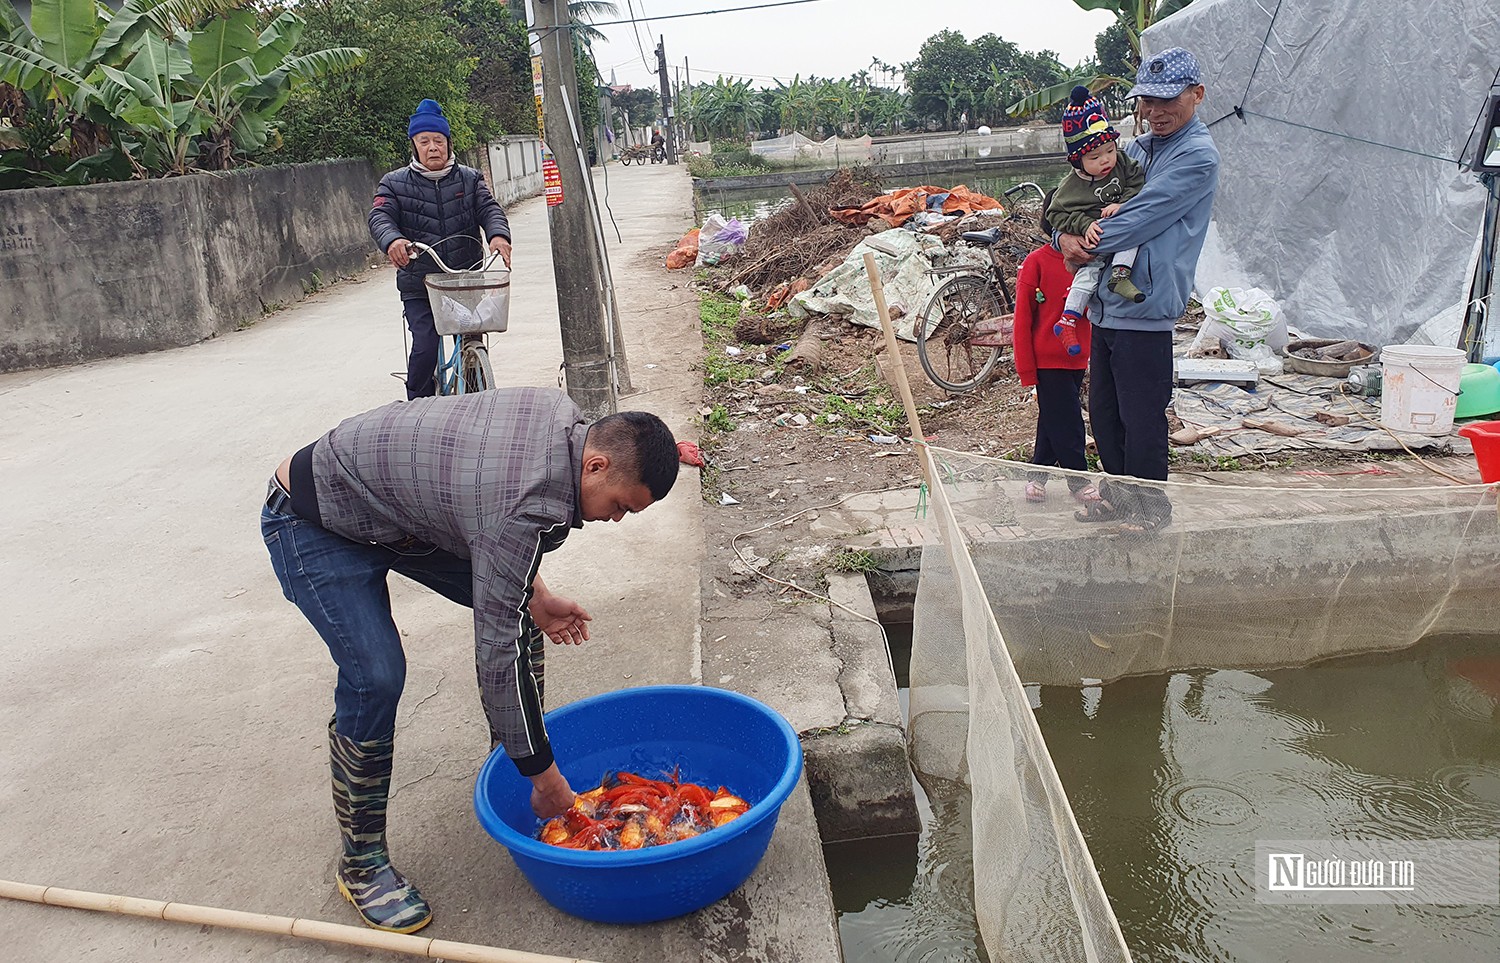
(800, 237)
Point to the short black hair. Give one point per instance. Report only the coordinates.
(640, 443)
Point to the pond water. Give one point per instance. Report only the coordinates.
(753, 204)
(1173, 778)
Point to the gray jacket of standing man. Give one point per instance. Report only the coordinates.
(1168, 219)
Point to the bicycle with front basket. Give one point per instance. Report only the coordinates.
(966, 324)
(466, 306)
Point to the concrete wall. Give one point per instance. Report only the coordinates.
(110, 269)
(515, 168)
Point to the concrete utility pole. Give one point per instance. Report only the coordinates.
(577, 255)
(666, 99)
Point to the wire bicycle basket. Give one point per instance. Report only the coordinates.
(476, 301)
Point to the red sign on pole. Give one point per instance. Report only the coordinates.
(551, 178)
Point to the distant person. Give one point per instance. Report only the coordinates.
(1130, 373)
(1041, 288)
(658, 146)
(1101, 180)
(462, 495)
(442, 204)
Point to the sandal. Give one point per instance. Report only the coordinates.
(1145, 523)
(1098, 510)
(1087, 494)
(1036, 492)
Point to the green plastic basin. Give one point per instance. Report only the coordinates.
(1479, 391)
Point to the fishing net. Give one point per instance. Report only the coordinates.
(1016, 592)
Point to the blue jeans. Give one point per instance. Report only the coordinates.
(340, 586)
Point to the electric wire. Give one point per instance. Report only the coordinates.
(678, 16)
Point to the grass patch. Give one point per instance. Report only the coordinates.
(879, 413)
(717, 314)
(718, 422)
(853, 560)
(720, 370)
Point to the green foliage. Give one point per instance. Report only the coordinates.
(854, 560)
(500, 84)
(638, 108)
(720, 370)
(158, 86)
(877, 413)
(717, 313)
(713, 166)
(414, 53)
(952, 76)
(718, 422)
(1109, 74)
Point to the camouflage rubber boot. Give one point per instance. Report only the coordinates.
(361, 784)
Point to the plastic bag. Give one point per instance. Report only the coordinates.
(493, 312)
(718, 239)
(686, 252)
(460, 315)
(1248, 322)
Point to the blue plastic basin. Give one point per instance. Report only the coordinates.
(717, 737)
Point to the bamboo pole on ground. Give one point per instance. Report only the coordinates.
(893, 355)
(361, 936)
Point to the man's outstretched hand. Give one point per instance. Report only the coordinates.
(550, 793)
(562, 620)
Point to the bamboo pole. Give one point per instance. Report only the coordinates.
(361, 936)
(893, 355)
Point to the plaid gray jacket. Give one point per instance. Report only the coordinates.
(491, 477)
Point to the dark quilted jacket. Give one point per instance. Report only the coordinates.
(411, 206)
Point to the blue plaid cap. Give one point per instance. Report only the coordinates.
(1166, 75)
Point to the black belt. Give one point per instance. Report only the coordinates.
(278, 499)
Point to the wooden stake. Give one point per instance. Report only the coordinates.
(893, 354)
(422, 946)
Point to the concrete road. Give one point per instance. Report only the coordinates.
(164, 707)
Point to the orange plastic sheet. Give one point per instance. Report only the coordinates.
(897, 207)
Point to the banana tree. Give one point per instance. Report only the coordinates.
(162, 84)
(1134, 16)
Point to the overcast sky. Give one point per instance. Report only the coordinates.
(830, 38)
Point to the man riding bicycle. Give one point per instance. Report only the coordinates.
(440, 203)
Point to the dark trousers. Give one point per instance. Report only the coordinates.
(1060, 437)
(340, 586)
(421, 367)
(1130, 387)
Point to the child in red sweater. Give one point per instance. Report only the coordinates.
(1042, 360)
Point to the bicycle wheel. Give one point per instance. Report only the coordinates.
(477, 373)
(945, 326)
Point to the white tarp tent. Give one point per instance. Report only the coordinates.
(1355, 240)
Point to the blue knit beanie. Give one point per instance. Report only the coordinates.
(428, 119)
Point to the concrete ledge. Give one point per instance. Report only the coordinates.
(913, 169)
(860, 782)
(110, 269)
(827, 670)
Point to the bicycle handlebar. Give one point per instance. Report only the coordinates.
(483, 265)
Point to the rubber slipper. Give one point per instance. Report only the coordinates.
(1087, 495)
(1035, 492)
(1098, 511)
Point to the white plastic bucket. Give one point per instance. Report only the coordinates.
(1419, 387)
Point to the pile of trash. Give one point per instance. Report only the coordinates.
(706, 246)
(807, 258)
